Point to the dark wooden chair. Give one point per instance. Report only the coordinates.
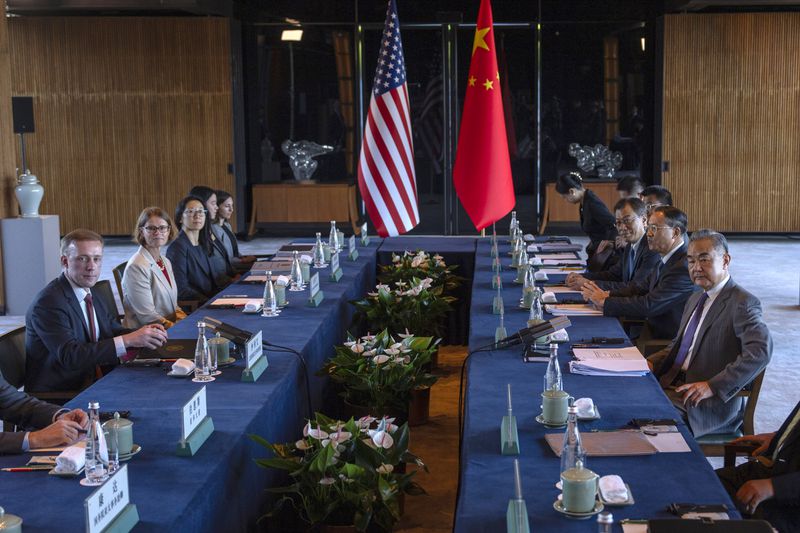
(119, 271)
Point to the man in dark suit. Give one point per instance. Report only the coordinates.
(69, 333)
(637, 258)
(721, 345)
(60, 426)
(660, 297)
(769, 487)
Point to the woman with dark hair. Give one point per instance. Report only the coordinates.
(149, 292)
(596, 220)
(224, 232)
(197, 274)
(221, 261)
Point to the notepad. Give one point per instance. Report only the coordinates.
(627, 361)
(572, 310)
(573, 261)
(606, 443)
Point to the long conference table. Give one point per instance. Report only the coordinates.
(487, 481)
(221, 489)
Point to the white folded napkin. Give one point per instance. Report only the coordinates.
(559, 336)
(253, 307)
(540, 276)
(613, 489)
(585, 407)
(307, 259)
(549, 298)
(72, 459)
(183, 367)
(528, 237)
(282, 280)
(535, 261)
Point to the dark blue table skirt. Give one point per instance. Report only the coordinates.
(458, 251)
(220, 488)
(487, 476)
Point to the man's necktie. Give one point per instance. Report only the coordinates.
(629, 266)
(686, 342)
(98, 372)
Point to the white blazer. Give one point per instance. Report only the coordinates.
(147, 296)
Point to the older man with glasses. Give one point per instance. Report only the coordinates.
(637, 258)
(659, 298)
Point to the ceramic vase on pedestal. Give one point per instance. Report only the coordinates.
(29, 194)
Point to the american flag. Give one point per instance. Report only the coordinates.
(386, 166)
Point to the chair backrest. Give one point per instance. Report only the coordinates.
(118, 271)
(104, 291)
(12, 356)
(751, 395)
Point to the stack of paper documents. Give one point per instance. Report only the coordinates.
(572, 310)
(609, 362)
(560, 262)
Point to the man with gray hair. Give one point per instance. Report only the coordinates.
(70, 333)
(722, 343)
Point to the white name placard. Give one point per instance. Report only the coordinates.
(351, 244)
(193, 413)
(364, 230)
(314, 284)
(334, 262)
(253, 349)
(107, 502)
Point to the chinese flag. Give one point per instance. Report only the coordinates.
(482, 173)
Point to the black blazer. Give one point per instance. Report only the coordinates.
(615, 277)
(194, 275)
(786, 469)
(24, 411)
(658, 299)
(596, 221)
(59, 353)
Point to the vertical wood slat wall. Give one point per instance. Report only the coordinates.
(129, 112)
(732, 119)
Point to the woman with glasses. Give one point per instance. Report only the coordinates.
(199, 273)
(149, 292)
(596, 220)
(224, 232)
(221, 257)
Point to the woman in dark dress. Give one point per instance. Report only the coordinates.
(596, 220)
(191, 254)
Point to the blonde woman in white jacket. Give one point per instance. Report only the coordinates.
(149, 291)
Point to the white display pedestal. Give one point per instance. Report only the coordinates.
(31, 258)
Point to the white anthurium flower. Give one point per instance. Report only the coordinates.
(368, 338)
(380, 359)
(405, 335)
(390, 427)
(395, 258)
(370, 353)
(392, 351)
(402, 360)
(365, 421)
(400, 283)
(302, 445)
(369, 442)
(340, 436)
(357, 348)
(345, 478)
(382, 439)
(317, 433)
(327, 481)
(417, 261)
(349, 343)
(396, 345)
(385, 469)
(373, 294)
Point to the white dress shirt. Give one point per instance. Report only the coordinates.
(712, 295)
(80, 294)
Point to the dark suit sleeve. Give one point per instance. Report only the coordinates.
(613, 274)
(178, 254)
(23, 410)
(55, 330)
(787, 488)
(670, 291)
(754, 337)
(640, 275)
(602, 218)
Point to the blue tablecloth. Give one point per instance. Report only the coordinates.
(220, 488)
(487, 476)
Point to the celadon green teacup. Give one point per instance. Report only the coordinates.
(554, 407)
(579, 489)
(124, 431)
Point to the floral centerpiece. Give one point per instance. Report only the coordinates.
(381, 374)
(345, 473)
(416, 306)
(420, 265)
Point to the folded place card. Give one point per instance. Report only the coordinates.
(196, 425)
(109, 508)
(255, 359)
(315, 294)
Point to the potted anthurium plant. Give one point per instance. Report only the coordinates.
(420, 265)
(415, 305)
(381, 375)
(345, 473)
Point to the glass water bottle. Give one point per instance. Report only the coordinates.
(552, 376)
(269, 306)
(572, 451)
(202, 357)
(296, 274)
(319, 253)
(96, 452)
(333, 238)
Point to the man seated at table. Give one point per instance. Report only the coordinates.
(630, 187)
(769, 487)
(69, 332)
(59, 426)
(721, 345)
(637, 258)
(656, 196)
(659, 298)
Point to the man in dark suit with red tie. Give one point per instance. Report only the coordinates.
(769, 486)
(721, 346)
(69, 332)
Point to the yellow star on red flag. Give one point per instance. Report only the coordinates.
(480, 39)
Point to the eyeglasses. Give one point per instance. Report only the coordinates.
(626, 221)
(157, 229)
(652, 228)
(193, 212)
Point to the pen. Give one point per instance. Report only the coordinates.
(28, 468)
(233, 296)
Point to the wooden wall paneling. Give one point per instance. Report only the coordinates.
(8, 165)
(732, 119)
(130, 112)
